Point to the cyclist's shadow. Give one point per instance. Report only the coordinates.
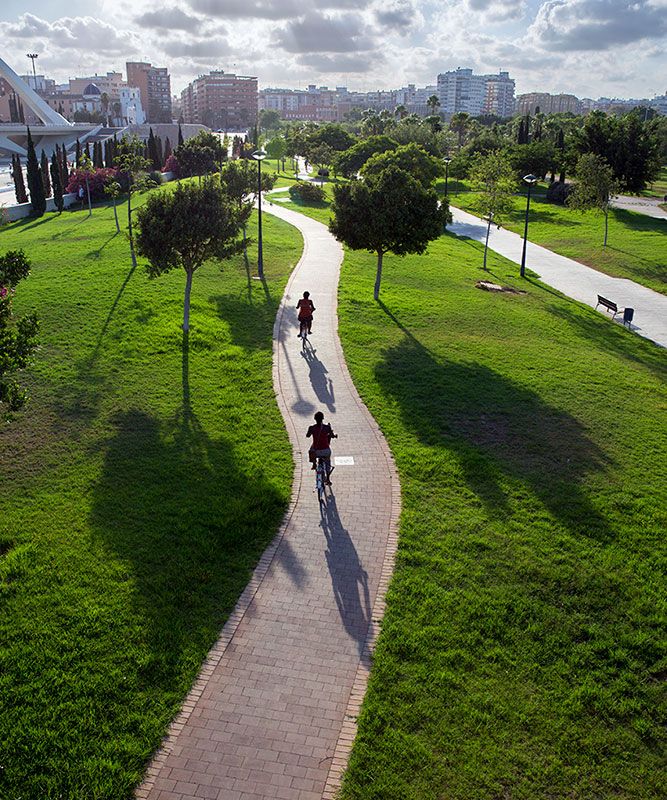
(348, 577)
(317, 372)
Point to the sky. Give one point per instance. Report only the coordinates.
(590, 48)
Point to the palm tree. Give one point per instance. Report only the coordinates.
(433, 103)
(104, 100)
(400, 112)
(460, 123)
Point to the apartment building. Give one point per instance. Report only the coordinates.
(460, 90)
(312, 104)
(221, 100)
(154, 86)
(548, 103)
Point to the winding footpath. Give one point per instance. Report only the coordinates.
(273, 711)
(572, 278)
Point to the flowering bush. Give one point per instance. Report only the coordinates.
(172, 165)
(97, 179)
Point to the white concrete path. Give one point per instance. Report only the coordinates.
(650, 206)
(574, 279)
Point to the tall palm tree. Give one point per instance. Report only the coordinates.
(433, 103)
(104, 100)
(460, 123)
(400, 111)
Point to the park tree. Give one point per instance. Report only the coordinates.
(594, 188)
(187, 227)
(411, 158)
(433, 104)
(494, 180)
(331, 134)
(18, 336)
(19, 183)
(350, 161)
(56, 182)
(321, 156)
(87, 169)
(276, 148)
(269, 119)
(535, 157)
(133, 168)
(200, 155)
(35, 182)
(113, 191)
(460, 123)
(239, 182)
(390, 212)
(44, 169)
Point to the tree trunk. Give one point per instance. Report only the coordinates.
(606, 225)
(129, 227)
(90, 208)
(186, 300)
(486, 243)
(378, 276)
(115, 215)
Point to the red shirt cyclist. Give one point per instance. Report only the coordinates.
(321, 447)
(306, 308)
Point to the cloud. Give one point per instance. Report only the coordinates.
(211, 47)
(499, 9)
(319, 33)
(597, 24)
(399, 16)
(239, 9)
(169, 19)
(339, 63)
(80, 34)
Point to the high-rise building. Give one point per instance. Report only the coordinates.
(548, 103)
(221, 100)
(460, 90)
(154, 86)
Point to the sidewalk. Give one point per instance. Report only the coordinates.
(572, 278)
(641, 205)
(273, 712)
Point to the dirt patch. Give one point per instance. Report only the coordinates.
(496, 287)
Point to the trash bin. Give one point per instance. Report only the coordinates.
(628, 314)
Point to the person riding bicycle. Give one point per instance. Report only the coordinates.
(321, 447)
(306, 308)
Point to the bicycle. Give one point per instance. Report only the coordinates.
(323, 470)
(303, 332)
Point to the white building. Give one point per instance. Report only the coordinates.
(659, 103)
(460, 90)
(131, 110)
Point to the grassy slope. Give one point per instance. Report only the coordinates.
(523, 647)
(136, 498)
(637, 247)
(659, 187)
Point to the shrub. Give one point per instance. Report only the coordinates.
(306, 191)
(97, 180)
(559, 192)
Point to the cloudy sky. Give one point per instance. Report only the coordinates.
(590, 48)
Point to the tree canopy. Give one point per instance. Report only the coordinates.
(410, 157)
(387, 212)
(352, 160)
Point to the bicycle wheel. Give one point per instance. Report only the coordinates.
(319, 480)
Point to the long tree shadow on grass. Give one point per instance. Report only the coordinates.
(496, 428)
(177, 506)
(248, 317)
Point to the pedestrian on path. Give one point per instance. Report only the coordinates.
(306, 308)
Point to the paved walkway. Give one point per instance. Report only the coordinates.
(574, 279)
(642, 205)
(273, 712)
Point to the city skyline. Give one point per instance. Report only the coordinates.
(589, 48)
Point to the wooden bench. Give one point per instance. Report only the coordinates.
(602, 301)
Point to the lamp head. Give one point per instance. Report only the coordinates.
(259, 155)
(530, 179)
(447, 160)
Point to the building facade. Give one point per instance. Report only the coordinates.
(460, 90)
(547, 103)
(221, 100)
(154, 86)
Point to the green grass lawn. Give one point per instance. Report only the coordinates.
(659, 186)
(138, 490)
(523, 652)
(637, 247)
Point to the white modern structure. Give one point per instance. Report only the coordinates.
(54, 128)
(131, 110)
(460, 90)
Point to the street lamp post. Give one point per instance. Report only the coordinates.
(447, 161)
(32, 57)
(259, 156)
(489, 220)
(530, 180)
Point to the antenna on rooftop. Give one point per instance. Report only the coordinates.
(32, 57)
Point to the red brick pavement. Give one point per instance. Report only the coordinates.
(273, 711)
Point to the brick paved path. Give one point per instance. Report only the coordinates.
(272, 714)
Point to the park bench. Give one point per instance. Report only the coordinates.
(602, 301)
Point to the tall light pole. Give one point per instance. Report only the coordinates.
(447, 161)
(32, 57)
(259, 156)
(530, 180)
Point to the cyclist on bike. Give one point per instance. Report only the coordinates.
(321, 447)
(306, 308)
